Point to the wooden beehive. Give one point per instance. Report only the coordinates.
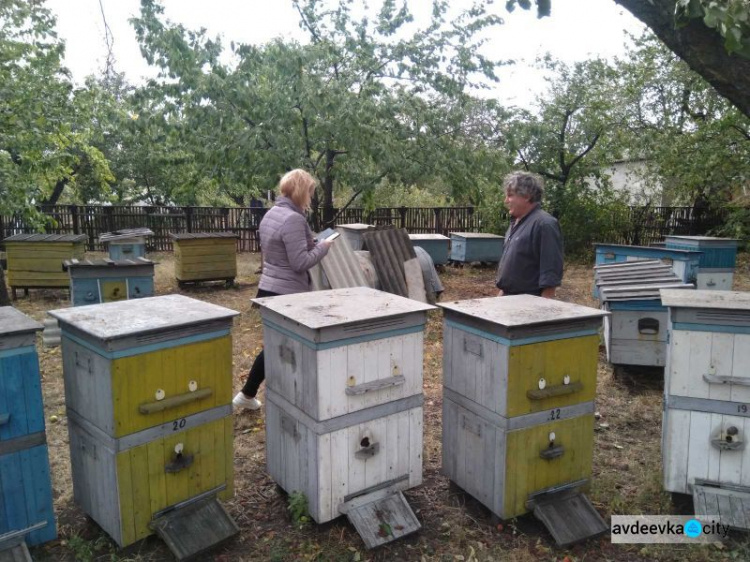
(519, 380)
(467, 247)
(126, 244)
(437, 245)
(35, 260)
(344, 395)
(148, 386)
(706, 424)
(98, 281)
(717, 261)
(25, 487)
(684, 263)
(205, 256)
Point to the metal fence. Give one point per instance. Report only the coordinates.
(641, 226)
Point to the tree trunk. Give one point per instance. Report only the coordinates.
(328, 189)
(701, 47)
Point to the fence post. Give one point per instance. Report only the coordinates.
(189, 219)
(439, 221)
(74, 215)
(402, 211)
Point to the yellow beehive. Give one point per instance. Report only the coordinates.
(148, 388)
(204, 256)
(519, 381)
(35, 260)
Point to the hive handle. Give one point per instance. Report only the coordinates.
(371, 386)
(552, 452)
(174, 401)
(4, 418)
(552, 391)
(724, 445)
(714, 379)
(368, 452)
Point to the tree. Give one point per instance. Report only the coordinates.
(362, 102)
(711, 36)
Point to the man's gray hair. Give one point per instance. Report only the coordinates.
(525, 184)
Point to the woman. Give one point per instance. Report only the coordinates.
(289, 251)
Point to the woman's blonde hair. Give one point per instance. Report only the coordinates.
(297, 185)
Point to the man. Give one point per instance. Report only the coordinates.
(532, 260)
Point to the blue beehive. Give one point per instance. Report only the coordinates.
(436, 245)
(684, 262)
(25, 487)
(717, 261)
(125, 244)
(468, 247)
(98, 281)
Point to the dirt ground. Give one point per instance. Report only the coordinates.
(455, 527)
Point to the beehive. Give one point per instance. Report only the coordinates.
(35, 260)
(25, 487)
(126, 244)
(203, 256)
(344, 394)
(148, 386)
(519, 380)
(683, 262)
(717, 260)
(98, 281)
(467, 247)
(437, 245)
(706, 424)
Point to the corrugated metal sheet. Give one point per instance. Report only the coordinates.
(389, 249)
(341, 266)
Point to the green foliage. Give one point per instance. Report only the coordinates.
(730, 18)
(298, 507)
(88, 550)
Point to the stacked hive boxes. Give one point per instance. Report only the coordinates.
(98, 281)
(344, 396)
(706, 423)
(148, 385)
(126, 244)
(717, 261)
(204, 256)
(25, 488)
(519, 380)
(35, 260)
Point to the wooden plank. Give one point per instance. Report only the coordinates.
(333, 455)
(740, 361)
(722, 354)
(416, 446)
(571, 519)
(676, 437)
(700, 439)
(384, 520)
(125, 489)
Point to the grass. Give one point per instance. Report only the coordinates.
(626, 478)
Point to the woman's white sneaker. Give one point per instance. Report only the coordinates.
(242, 401)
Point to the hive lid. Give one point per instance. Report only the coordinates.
(522, 310)
(640, 292)
(14, 321)
(428, 237)
(699, 238)
(116, 320)
(656, 250)
(105, 262)
(46, 238)
(125, 234)
(475, 235)
(324, 309)
(200, 235)
(729, 300)
(356, 226)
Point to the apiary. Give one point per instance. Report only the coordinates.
(717, 261)
(26, 512)
(467, 247)
(519, 381)
(148, 386)
(107, 280)
(684, 263)
(35, 260)
(437, 245)
(205, 256)
(126, 244)
(706, 425)
(344, 403)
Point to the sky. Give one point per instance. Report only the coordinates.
(577, 30)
